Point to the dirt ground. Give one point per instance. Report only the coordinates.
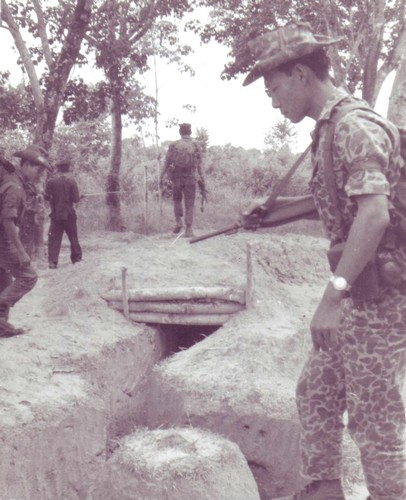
(67, 318)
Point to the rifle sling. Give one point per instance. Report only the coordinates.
(281, 185)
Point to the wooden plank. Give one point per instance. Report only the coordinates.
(180, 319)
(250, 286)
(180, 293)
(180, 307)
(124, 292)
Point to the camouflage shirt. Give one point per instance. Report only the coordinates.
(366, 160)
(12, 199)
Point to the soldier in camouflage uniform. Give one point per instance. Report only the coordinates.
(17, 276)
(358, 360)
(182, 161)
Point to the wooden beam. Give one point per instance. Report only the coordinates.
(179, 307)
(180, 319)
(180, 293)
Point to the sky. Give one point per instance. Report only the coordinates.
(231, 113)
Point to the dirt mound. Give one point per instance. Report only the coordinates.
(81, 355)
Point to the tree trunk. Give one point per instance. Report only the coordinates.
(397, 100)
(373, 52)
(114, 220)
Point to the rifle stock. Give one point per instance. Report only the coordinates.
(285, 211)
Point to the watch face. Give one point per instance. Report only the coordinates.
(340, 283)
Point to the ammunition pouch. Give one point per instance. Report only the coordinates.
(383, 271)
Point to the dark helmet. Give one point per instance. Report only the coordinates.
(35, 154)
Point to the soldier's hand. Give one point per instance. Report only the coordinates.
(23, 258)
(253, 215)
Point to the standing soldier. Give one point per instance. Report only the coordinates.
(358, 360)
(32, 223)
(62, 192)
(182, 161)
(17, 276)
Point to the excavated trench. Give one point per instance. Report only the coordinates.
(180, 337)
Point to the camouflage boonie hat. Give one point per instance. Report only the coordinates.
(35, 154)
(282, 45)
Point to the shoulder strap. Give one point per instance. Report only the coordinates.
(329, 177)
(281, 185)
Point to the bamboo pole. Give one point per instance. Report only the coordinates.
(180, 307)
(145, 197)
(180, 319)
(156, 130)
(181, 293)
(124, 292)
(249, 297)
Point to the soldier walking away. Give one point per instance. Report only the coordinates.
(62, 193)
(182, 161)
(17, 277)
(358, 330)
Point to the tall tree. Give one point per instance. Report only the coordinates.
(124, 36)
(373, 31)
(56, 33)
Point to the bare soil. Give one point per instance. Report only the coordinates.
(68, 322)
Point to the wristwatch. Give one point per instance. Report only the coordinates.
(339, 283)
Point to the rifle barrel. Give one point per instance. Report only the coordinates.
(235, 227)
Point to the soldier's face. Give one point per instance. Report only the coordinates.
(31, 171)
(287, 94)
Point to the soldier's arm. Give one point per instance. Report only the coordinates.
(199, 162)
(48, 192)
(12, 235)
(75, 192)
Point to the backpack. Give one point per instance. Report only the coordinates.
(399, 200)
(185, 155)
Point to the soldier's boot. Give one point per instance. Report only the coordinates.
(6, 328)
(189, 232)
(178, 226)
(319, 490)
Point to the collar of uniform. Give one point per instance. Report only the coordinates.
(338, 95)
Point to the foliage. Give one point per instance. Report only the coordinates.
(16, 107)
(373, 33)
(85, 143)
(282, 133)
(203, 139)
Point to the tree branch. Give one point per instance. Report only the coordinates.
(43, 35)
(24, 54)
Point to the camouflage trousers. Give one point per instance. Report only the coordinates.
(363, 376)
(184, 190)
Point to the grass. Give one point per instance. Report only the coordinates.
(145, 215)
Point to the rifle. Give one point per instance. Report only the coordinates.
(203, 193)
(288, 210)
(299, 208)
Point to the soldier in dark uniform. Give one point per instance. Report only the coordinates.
(62, 192)
(182, 161)
(17, 276)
